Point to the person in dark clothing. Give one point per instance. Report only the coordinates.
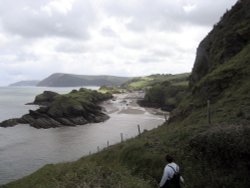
(171, 175)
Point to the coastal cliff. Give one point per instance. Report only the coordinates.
(223, 45)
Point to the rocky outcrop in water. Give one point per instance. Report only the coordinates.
(76, 108)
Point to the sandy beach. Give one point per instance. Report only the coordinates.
(126, 103)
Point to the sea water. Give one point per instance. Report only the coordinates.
(24, 149)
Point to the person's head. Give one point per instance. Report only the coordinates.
(169, 158)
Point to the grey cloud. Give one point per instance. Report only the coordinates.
(28, 19)
(9, 58)
(167, 15)
(108, 32)
(33, 40)
(71, 47)
(149, 59)
(13, 51)
(27, 69)
(146, 14)
(135, 45)
(23, 56)
(162, 52)
(209, 12)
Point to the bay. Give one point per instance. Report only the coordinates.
(24, 149)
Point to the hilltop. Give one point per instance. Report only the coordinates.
(72, 80)
(211, 155)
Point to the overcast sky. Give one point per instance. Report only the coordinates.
(111, 37)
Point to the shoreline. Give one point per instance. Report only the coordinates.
(126, 103)
(71, 143)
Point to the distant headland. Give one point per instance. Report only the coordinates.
(73, 80)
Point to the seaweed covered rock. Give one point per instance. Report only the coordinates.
(76, 108)
(9, 122)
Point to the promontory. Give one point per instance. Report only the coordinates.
(78, 107)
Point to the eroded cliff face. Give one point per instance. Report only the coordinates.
(221, 71)
(229, 37)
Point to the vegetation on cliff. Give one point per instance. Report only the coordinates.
(210, 155)
(228, 37)
(163, 91)
(165, 95)
(149, 81)
(111, 89)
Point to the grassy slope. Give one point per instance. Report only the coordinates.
(136, 163)
(213, 156)
(232, 102)
(139, 163)
(148, 81)
(204, 151)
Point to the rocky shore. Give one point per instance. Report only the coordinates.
(76, 108)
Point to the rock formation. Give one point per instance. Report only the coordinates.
(76, 108)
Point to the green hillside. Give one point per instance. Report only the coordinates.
(221, 71)
(212, 155)
(148, 81)
(72, 80)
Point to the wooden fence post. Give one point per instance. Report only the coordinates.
(121, 137)
(139, 129)
(165, 116)
(107, 144)
(208, 112)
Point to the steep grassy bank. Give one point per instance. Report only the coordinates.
(199, 148)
